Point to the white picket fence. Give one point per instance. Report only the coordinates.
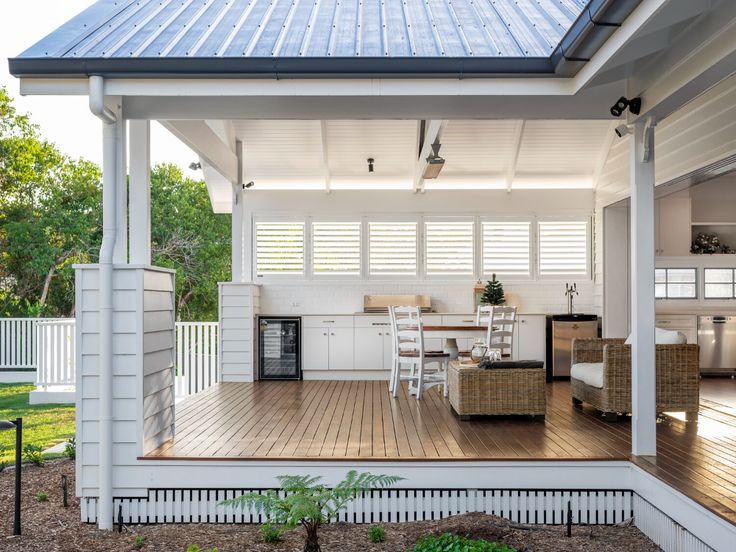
(48, 345)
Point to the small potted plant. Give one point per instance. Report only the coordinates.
(493, 292)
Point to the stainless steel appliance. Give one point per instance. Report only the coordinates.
(717, 341)
(380, 303)
(564, 328)
(279, 345)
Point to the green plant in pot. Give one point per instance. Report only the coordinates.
(306, 501)
(493, 293)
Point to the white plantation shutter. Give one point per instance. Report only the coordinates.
(506, 248)
(563, 247)
(449, 247)
(279, 248)
(392, 248)
(336, 248)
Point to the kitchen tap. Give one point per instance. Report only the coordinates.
(570, 290)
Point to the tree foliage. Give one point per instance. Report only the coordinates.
(51, 219)
(304, 500)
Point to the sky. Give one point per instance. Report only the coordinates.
(66, 120)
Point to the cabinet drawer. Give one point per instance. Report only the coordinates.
(327, 321)
(676, 321)
(372, 321)
(458, 320)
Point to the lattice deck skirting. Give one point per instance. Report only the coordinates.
(542, 506)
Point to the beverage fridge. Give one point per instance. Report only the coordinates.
(279, 346)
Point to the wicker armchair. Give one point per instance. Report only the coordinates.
(678, 375)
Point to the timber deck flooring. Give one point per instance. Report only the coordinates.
(359, 420)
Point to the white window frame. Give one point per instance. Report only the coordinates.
(419, 275)
(588, 219)
(666, 283)
(254, 248)
(733, 281)
(474, 243)
(532, 248)
(360, 220)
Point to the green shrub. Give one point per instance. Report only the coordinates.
(33, 453)
(138, 542)
(269, 533)
(3, 463)
(456, 543)
(196, 548)
(377, 533)
(70, 449)
(42, 496)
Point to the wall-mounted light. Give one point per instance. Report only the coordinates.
(634, 105)
(195, 166)
(370, 164)
(434, 163)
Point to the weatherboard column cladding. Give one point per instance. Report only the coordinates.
(643, 373)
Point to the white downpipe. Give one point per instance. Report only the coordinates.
(109, 230)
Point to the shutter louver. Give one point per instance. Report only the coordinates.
(279, 248)
(392, 248)
(336, 248)
(563, 248)
(506, 248)
(449, 246)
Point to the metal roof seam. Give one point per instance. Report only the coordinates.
(251, 45)
(236, 29)
(310, 28)
(161, 28)
(460, 31)
(112, 26)
(117, 46)
(69, 47)
(185, 29)
(210, 29)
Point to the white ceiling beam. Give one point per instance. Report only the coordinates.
(697, 61)
(605, 150)
(325, 155)
(518, 137)
(432, 133)
(207, 144)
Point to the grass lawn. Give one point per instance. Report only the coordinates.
(43, 424)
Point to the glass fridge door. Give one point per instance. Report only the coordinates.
(279, 345)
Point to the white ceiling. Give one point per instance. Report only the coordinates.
(298, 154)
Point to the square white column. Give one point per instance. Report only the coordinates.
(140, 192)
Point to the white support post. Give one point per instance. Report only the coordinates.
(120, 252)
(140, 192)
(237, 273)
(643, 373)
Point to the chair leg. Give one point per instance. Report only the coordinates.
(577, 402)
(420, 381)
(446, 390)
(610, 416)
(392, 376)
(397, 380)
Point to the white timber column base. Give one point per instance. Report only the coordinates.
(142, 368)
(643, 372)
(239, 306)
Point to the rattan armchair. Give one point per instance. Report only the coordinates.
(678, 377)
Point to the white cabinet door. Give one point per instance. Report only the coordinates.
(674, 227)
(387, 348)
(369, 345)
(315, 348)
(531, 338)
(341, 348)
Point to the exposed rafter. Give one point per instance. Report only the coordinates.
(433, 131)
(200, 137)
(518, 137)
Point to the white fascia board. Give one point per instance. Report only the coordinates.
(200, 137)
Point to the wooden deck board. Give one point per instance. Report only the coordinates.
(359, 420)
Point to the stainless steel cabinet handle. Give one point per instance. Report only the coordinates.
(328, 321)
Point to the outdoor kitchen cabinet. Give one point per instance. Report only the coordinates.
(530, 337)
(327, 343)
(372, 343)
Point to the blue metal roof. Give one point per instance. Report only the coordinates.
(265, 31)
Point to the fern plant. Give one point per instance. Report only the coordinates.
(305, 501)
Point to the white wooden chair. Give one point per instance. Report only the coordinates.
(422, 369)
(500, 321)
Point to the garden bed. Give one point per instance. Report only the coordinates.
(48, 526)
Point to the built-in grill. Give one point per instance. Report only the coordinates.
(381, 303)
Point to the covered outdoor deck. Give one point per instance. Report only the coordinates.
(358, 420)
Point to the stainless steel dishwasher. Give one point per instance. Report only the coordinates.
(717, 341)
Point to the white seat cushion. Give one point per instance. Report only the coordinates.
(590, 373)
(665, 337)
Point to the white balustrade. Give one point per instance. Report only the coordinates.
(196, 357)
(55, 353)
(17, 343)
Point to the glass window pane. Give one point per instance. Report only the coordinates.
(660, 275)
(680, 291)
(660, 291)
(717, 275)
(681, 275)
(718, 291)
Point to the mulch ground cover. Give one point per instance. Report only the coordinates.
(48, 526)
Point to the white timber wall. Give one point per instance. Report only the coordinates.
(701, 133)
(143, 352)
(239, 305)
(297, 295)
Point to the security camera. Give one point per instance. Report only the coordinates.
(623, 130)
(634, 105)
(248, 185)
